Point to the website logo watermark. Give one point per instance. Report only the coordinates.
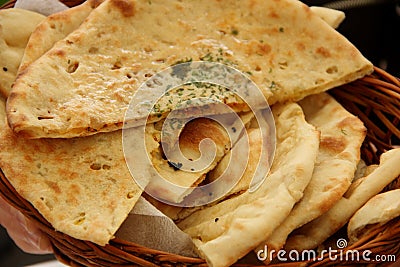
(174, 98)
(341, 253)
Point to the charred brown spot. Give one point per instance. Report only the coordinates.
(95, 3)
(28, 158)
(348, 122)
(93, 50)
(90, 130)
(300, 46)
(118, 124)
(273, 14)
(54, 186)
(58, 52)
(239, 226)
(117, 65)
(95, 166)
(323, 52)
(336, 145)
(257, 48)
(264, 49)
(126, 7)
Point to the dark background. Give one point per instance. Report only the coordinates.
(373, 26)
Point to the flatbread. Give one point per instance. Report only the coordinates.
(258, 138)
(227, 231)
(331, 16)
(221, 189)
(358, 180)
(315, 232)
(171, 168)
(82, 187)
(16, 25)
(98, 81)
(379, 210)
(54, 28)
(236, 155)
(57, 26)
(339, 153)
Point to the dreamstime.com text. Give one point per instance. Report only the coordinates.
(341, 254)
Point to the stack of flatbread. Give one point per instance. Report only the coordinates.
(61, 137)
(16, 26)
(66, 92)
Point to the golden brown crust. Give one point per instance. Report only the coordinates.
(377, 211)
(245, 220)
(81, 186)
(334, 144)
(338, 156)
(126, 7)
(128, 46)
(199, 129)
(167, 159)
(315, 232)
(94, 3)
(54, 28)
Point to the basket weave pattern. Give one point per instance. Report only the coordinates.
(375, 99)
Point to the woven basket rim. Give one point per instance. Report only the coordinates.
(377, 96)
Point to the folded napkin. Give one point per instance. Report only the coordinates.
(44, 7)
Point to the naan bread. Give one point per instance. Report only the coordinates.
(16, 25)
(81, 186)
(339, 153)
(54, 28)
(178, 213)
(227, 231)
(171, 168)
(92, 74)
(258, 138)
(238, 166)
(57, 26)
(315, 232)
(331, 16)
(377, 211)
(358, 180)
(236, 156)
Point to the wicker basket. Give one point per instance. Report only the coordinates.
(375, 99)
